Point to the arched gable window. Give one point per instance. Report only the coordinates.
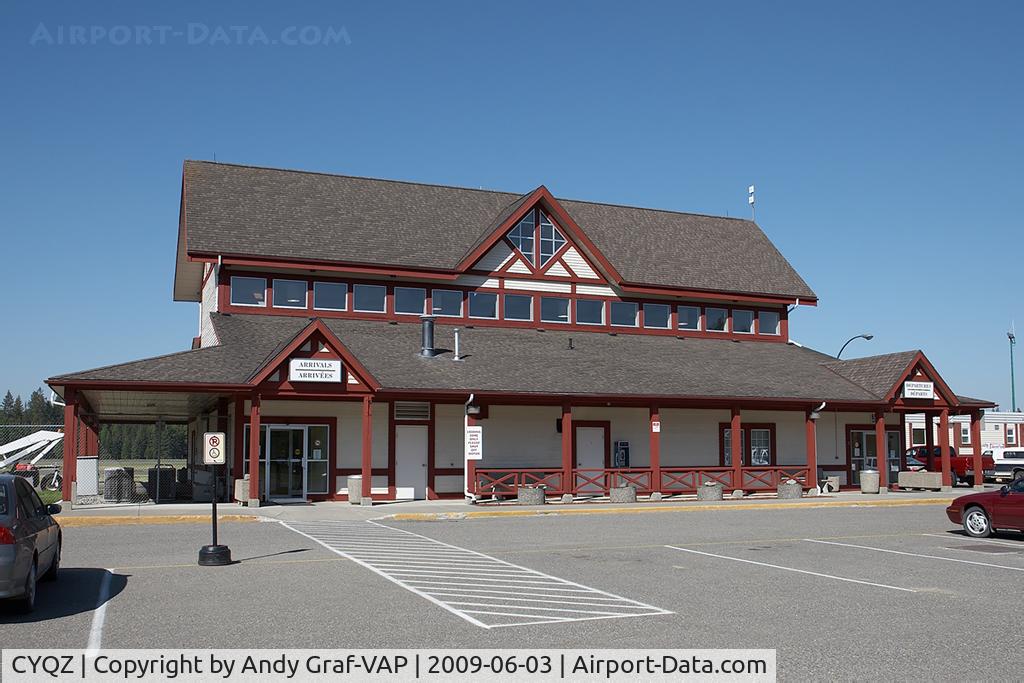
(537, 238)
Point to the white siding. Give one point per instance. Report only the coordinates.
(595, 290)
(208, 305)
(449, 483)
(449, 420)
(574, 259)
(521, 436)
(558, 270)
(690, 437)
(476, 281)
(539, 286)
(627, 424)
(494, 259)
(519, 267)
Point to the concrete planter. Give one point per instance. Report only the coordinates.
(622, 494)
(530, 496)
(710, 490)
(790, 489)
(869, 481)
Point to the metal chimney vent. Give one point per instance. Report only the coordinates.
(427, 343)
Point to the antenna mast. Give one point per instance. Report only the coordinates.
(1013, 384)
(750, 200)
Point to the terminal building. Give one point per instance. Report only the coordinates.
(355, 326)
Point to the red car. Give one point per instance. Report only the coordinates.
(983, 513)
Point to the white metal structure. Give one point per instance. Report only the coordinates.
(26, 445)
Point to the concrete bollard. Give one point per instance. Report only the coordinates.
(567, 499)
(526, 495)
(738, 493)
(656, 497)
(710, 490)
(790, 489)
(622, 494)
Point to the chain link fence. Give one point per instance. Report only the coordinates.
(135, 464)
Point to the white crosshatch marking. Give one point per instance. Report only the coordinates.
(483, 590)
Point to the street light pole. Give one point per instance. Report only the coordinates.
(866, 337)
(1013, 383)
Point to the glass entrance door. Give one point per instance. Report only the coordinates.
(864, 453)
(286, 462)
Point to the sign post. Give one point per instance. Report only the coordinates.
(214, 454)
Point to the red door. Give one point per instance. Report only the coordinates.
(1008, 510)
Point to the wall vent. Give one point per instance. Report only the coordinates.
(412, 410)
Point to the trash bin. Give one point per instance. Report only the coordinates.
(160, 483)
(355, 489)
(869, 481)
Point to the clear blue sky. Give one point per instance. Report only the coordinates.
(884, 140)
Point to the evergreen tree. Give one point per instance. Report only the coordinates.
(18, 413)
(7, 408)
(39, 412)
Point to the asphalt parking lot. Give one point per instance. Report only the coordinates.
(879, 593)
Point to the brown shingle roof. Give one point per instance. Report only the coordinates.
(515, 360)
(272, 213)
(877, 374)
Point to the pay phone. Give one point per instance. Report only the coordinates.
(620, 455)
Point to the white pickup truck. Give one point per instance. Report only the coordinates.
(1009, 462)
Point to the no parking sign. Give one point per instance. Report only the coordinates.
(213, 448)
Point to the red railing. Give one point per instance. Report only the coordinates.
(600, 481)
(504, 482)
(688, 479)
(765, 478)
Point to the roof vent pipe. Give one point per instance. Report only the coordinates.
(427, 341)
(457, 355)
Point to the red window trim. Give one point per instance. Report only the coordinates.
(723, 427)
(225, 306)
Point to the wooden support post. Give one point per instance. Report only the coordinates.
(254, 448)
(70, 451)
(367, 459)
(947, 475)
(979, 470)
(811, 434)
(239, 438)
(736, 450)
(655, 448)
(881, 453)
(567, 439)
(929, 441)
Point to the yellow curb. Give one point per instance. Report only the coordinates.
(483, 514)
(112, 520)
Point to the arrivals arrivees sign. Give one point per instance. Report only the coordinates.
(314, 370)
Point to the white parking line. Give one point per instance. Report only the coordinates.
(99, 616)
(930, 557)
(956, 537)
(481, 589)
(792, 569)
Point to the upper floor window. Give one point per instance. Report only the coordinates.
(742, 321)
(589, 312)
(537, 237)
(369, 298)
(248, 291)
(657, 316)
(518, 307)
(717, 319)
(290, 293)
(330, 296)
(689, 318)
(624, 313)
(483, 305)
(410, 300)
(554, 309)
(447, 302)
(768, 322)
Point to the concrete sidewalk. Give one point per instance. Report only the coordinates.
(456, 510)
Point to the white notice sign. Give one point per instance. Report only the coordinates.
(214, 448)
(656, 426)
(924, 390)
(474, 442)
(313, 370)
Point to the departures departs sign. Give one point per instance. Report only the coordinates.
(925, 390)
(314, 370)
(214, 448)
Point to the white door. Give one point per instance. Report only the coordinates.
(410, 462)
(590, 456)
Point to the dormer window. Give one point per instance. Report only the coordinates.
(537, 238)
